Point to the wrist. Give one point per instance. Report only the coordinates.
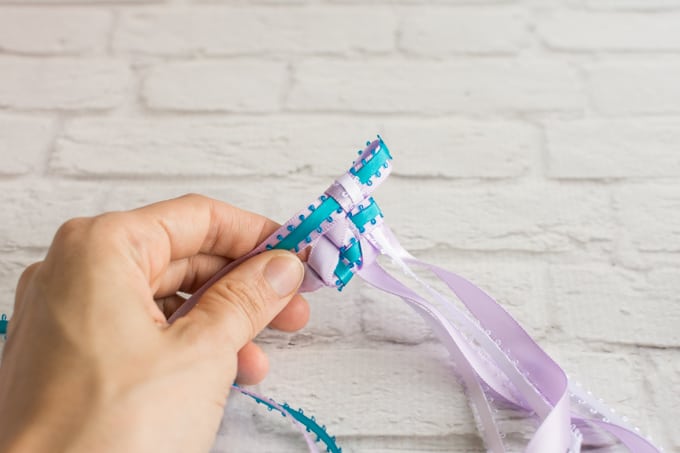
(38, 418)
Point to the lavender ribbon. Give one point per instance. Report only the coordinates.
(495, 358)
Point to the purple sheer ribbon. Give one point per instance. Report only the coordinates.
(496, 360)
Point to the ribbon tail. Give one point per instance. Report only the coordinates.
(551, 435)
(540, 380)
(545, 373)
(450, 338)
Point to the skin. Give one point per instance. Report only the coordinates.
(91, 363)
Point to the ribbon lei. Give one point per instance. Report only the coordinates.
(495, 359)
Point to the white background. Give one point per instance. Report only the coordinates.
(536, 149)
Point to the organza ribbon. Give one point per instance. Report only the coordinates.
(496, 360)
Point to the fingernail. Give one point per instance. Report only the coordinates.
(284, 273)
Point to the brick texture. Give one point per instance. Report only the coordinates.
(613, 148)
(42, 31)
(25, 141)
(639, 209)
(251, 146)
(634, 5)
(442, 31)
(404, 87)
(215, 86)
(243, 31)
(62, 84)
(639, 88)
(573, 290)
(612, 31)
(388, 412)
(535, 150)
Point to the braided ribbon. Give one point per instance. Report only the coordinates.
(496, 360)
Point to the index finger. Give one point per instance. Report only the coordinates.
(193, 224)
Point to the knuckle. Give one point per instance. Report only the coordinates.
(30, 269)
(192, 196)
(79, 228)
(114, 228)
(24, 280)
(28, 273)
(72, 229)
(108, 223)
(76, 237)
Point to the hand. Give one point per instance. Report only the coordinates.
(91, 363)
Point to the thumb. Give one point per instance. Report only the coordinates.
(239, 305)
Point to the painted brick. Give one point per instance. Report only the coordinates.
(239, 31)
(35, 210)
(604, 303)
(62, 31)
(529, 217)
(613, 148)
(634, 5)
(635, 88)
(62, 84)
(414, 444)
(594, 370)
(398, 86)
(59, 3)
(457, 148)
(664, 367)
(611, 31)
(281, 146)
(335, 316)
(252, 2)
(361, 390)
(255, 194)
(650, 216)
(427, 2)
(444, 31)
(215, 86)
(24, 144)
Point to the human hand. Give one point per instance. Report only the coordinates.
(91, 363)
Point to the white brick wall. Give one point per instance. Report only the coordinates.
(537, 150)
(61, 84)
